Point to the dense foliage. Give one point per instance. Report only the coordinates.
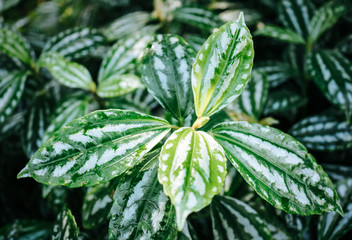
(176, 119)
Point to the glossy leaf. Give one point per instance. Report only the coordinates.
(141, 210)
(332, 226)
(118, 85)
(222, 68)
(15, 46)
(325, 18)
(26, 230)
(197, 17)
(75, 43)
(332, 72)
(276, 72)
(65, 226)
(323, 132)
(95, 148)
(166, 73)
(192, 170)
(278, 168)
(11, 90)
(67, 73)
(233, 219)
(279, 33)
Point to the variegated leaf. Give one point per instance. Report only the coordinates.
(12, 125)
(332, 226)
(279, 33)
(72, 107)
(276, 72)
(325, 18)
(192, 169)
(11, 89)
(141, 210)
(26, 230)
(95, 148)
(65, 226)
(15, 46)
(325, 133)
(196, 41)
(197, 17)
(345, 46)
(117, 85)
(67, 73)
(278, 167)
(222, 68)
(332, 72)
(56, 197)
(166, 73)
(233, 219)
(75, 43)
(337, 172)
(296, 15)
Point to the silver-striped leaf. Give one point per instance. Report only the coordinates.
(192, 169)
(325, 18)
(279, 33)
(15, 46)
(323, 132)
(222, 68)
(69, 74)
(95, 148)
(233, 219)
(75, 43)
(11, 90)
(141, 210)
(197, 17)
(278, 168)
(65, 226)
(166, 72)
(337, 172)
(332, 72)
(118, 85)
(296, 15)
(276, 72)
(331, 226)
(70, 108)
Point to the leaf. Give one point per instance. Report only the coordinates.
(12, 125)
(278, 168)
(6, 4)
(345, 46)
(296, 15)
(141, 210)
(276, 72)
(65, 226)
(222, 68)
(69, 74)
(166, 72)
(72, 107)
(322, 132)
(75, 43)
(95, 148)
(196, 41)
(26, 230)
(197, 17)
(11, 90)
(192, 169)
(118, 85)
(233, 219)
(332, 73)
(15, 46)
(279, 33)
(337, 172)
(325, 18)
(56, 197)
(331, 225)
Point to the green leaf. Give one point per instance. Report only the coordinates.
(75, 43)
(56, 197)
(95, 148)
(296, 15)
(67, 73)
(345, 46)
(166, 73)
(276, 72)
(196, 41)
(141, 210)
(26, 230)
(192, 169)
(325, 133)
(279, 33)
(197, 17)
(11, 90)
(332, 226)
(65, 226)
(12, 125)
(233, 219)
(325, 18)
(337, 172)
(222, 68)
(278, 168)
(6, 4)
(332, 72)
(117, 85)
(15, 46)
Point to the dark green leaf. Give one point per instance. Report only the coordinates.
(337, 172)
(345, 46)
(6, 4)
(196, 41)
(279, 33)
(26, 230)
(278, 167)
(65, 227)
(12, 125)
(95, 148)
(276, 72)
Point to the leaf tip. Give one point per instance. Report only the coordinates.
(241, 18)
(23, 173)
(339, 210)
